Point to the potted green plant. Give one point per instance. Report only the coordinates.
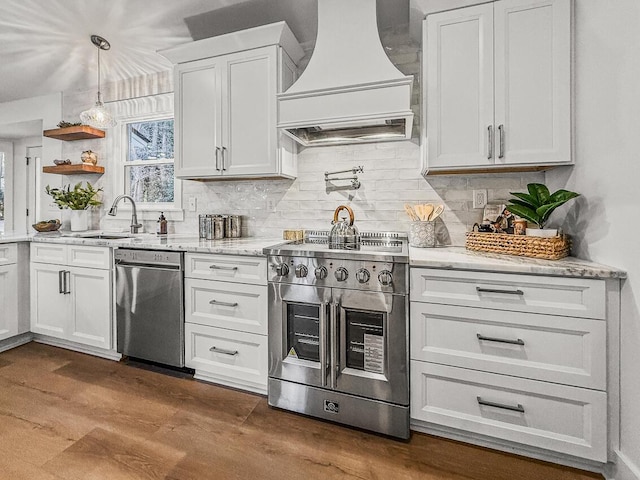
(537, 205)
(78, 200)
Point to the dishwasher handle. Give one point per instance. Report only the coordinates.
(169, 268)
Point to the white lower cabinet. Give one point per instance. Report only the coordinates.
(229, 357)
(68, 302)
(554, 417)
(226, 319)
(492, 355)
(8, 301)
(14, 282)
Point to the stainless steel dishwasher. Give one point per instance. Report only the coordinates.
(150, 305)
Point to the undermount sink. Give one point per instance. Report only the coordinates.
(106, 236)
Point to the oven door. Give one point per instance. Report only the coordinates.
(369, 346)
(298, 333)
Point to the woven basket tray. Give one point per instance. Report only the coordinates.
(552, 248)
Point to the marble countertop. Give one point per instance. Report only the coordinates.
(184, 243)
(454, 258)
(458, 258)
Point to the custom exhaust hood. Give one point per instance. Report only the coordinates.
(350, 91)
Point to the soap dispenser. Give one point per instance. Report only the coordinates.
(162, 224)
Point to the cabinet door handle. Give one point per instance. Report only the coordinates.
(518, 341)
(218, 159)
(224, 351)
(223, 304)
(498, 290)
(490, 142)
(67, 282)
(218, 267)
(224, 158)
(501, 133)
(517, 408)
(61, 281)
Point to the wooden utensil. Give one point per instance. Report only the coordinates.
(426, 209)
(436, 212)
(412, 214)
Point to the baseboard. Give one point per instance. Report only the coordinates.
(204, 377)
(95, 351)
(16, 341)
(624, 469)
(509, 447)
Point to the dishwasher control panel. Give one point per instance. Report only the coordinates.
(148, 257)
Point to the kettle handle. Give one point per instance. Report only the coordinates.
(348, 209)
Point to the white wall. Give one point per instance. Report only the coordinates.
(604, 220)
(47, 108)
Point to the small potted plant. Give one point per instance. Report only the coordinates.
(537, 205)
(78, 200)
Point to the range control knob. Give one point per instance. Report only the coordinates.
(385, 278)
(282, 269)
(341, 274)
(321, 272)
(363, 275)
(301, 270)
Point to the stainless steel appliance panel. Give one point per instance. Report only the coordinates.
(150, 311)
(287, 303)
(377, 368)
(339, 407)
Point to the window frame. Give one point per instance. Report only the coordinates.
(146, 210)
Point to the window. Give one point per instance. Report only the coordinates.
(148, 167)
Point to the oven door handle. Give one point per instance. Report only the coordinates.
(333, 332)
(323, 343)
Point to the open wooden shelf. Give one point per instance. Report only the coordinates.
(81, 132)
(74, 169)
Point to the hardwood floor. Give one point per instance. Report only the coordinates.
(65, 415)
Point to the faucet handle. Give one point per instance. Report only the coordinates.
(135, 227)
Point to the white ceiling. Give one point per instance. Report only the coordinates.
(46, 47)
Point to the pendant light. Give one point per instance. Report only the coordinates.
(97, 116)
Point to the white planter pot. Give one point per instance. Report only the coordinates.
(79, 220)
(542, 232)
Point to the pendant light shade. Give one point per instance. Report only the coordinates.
(98, 116)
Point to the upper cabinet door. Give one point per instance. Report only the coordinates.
(249, 113)
(198, 114)
(533, 81)
(459, 76)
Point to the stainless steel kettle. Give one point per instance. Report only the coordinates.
(344, 234)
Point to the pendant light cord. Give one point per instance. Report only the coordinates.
(99, 99)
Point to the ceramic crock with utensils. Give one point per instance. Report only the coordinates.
(422, 230)
(344, 234)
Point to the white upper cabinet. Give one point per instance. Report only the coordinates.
(459, 82)
(498, 87)
(225, 104)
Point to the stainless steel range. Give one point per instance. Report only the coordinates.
(338, 331)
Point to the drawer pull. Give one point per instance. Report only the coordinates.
(518, 408)
(223, 304)
(500, 340)
(497, 290)
(231, 353)
(218, 267)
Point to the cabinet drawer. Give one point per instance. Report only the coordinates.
(231, 268)
(8, 253)
(564, 350)
(563, 419)
(573, 297)
(230, 357)
(236, 306)
(85, 256)
(49, 253)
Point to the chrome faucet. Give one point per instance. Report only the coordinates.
(134, 217)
